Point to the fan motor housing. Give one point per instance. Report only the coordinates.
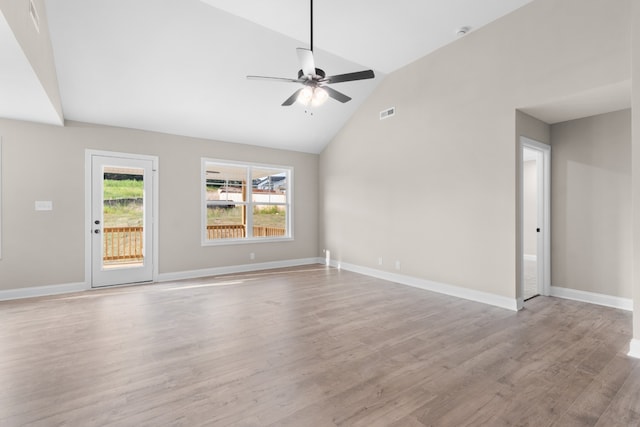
(319, 72)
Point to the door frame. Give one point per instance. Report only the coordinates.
(88, 229)
(544, 212)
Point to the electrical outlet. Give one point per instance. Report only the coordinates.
(44, 205)
(397, 265)
(380, 261)
(252, 256)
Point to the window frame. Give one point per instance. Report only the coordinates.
(249, 203)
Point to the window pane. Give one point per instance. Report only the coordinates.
(226, 195)
(269, 221)
(225, 222)
(226, 183)
(268, 185)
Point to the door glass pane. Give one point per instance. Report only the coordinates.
(123, 217)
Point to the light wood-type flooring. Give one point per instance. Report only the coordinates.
(311, 346)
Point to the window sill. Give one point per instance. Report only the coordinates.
(227, 242)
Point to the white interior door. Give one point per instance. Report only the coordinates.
(531, 223)
(535, 218)
(121, 220)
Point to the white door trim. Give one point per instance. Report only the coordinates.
(87, 207)
(1, 192)
(544, 204)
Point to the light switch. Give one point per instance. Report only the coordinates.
(44, 205)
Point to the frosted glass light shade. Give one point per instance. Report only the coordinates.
(305, 96)
(315, 96)
(319, 97)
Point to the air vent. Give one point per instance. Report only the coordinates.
(385, 114)
(33, 12)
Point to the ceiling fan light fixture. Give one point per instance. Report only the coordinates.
(319, 97)
(316, 89)
(305, 96)
(316, 96)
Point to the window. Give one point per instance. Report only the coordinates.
(245, 202)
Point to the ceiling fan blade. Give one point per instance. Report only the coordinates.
(308, 65)
(292, 98)
(338, 96)
(274, 79)
(359, 75)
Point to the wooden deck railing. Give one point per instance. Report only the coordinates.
(237, 231)
(268, 231)
(123, 244)
(225, 231)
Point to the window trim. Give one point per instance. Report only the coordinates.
(249, 203)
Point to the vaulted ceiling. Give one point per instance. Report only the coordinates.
(180, 66)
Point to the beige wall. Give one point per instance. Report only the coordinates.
(448, 157)
(532, 128)
(591, 246)
(42, 162)
(36, 45)
(635, 153)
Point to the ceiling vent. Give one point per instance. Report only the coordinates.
(33, 12)
(385, 114)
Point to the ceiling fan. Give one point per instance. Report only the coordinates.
(315, 89)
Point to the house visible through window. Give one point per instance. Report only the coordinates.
(245, 202)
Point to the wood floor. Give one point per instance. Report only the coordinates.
(311, 346)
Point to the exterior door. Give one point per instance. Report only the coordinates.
(121, 220)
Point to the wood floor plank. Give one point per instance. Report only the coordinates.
(623, 409)
(310, 346)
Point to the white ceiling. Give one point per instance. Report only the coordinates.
(179, 66)
(584, 104)
(384, 35)
(22, 96)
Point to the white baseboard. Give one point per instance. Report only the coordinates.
(42, 291)
(593, 298)
(429, 285)
(530, 257)
(634, 349)
(48, 290)
(233, 269)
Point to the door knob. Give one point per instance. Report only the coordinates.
(96, 231)
(96, 222)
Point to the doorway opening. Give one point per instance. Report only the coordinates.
(534, 221)
(120, 211)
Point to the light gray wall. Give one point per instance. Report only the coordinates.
(36, 45)
(591, 246)
(42, 162)
(435, 186)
